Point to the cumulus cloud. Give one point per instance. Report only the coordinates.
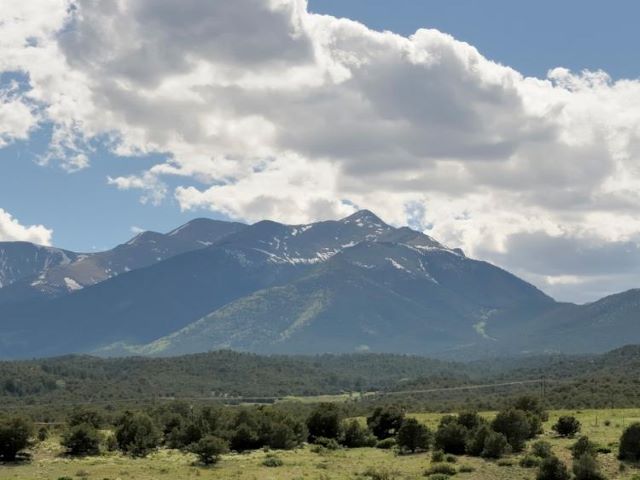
(11, 230)
(263, 109)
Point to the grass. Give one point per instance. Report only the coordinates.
(303, 464)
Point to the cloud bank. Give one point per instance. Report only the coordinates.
(264, 109)
(11, 231)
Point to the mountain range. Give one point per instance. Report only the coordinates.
(350, 285)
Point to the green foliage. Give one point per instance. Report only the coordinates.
(137, 434)
(386, 444)
(451, 437)
(515, 426)
(81, 439)
(552, 468)
(413, 436)
(567, 426)
(530, 461)
(495, 445)
(87, 416)
(541, 449)
(584, 446)
(586, 468)
(209, 448)
(441, 468)
(43, 434)
(324, 421)
(15, 435)
(476, 440)
(629, 448)
(385, 422)
(272, 461)
(357, 436)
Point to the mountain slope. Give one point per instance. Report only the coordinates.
(20, 260)
(374, 296)
(73, 272)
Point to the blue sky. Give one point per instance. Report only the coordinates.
(253, 112)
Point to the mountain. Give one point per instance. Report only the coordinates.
(56, 272)
(350, 285)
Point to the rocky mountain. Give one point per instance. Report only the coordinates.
(54, 272)
(349, 285)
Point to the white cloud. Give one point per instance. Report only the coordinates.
(11, 231)
(266, 110)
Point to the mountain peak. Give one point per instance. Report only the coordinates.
(364, 217)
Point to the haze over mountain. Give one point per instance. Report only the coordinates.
(355, 284)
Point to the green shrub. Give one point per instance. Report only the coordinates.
(413, 436)
(629, 448)
(586, 468)
(137, 434)
(437, 456)
(385, 422)
(87, 416)
(43, 434)
(328, 443)
(380, 474)
(567, 426)
(541, 449)
(15, 435)
(81, 439)
(442, 468)
(209, 448)
(386, 444)
(324, 422)
(451, 459)
(439, 476)
(272, 461)
(552, 468)
(466, 469)
(583, 446)
(530, 461)
(515, 426)
(357, 436)
(451, 437)
(495, 445)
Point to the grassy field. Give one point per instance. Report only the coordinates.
(602, 426)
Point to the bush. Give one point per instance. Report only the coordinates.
(413, 436)
(530, 461)
(437, 456)
(209, 448)
(439, 476)
(379, 474)
(630, 443)
(328, 443)
(552, 468)
(495, 445)
(272, 461)
(357, 436)
(81, 439)
(386, 444)
(515, 426)
(583, 446)
(385, 422)
(137, 434)
(324, 422)
(43, 434)
(15, 435)
(476, 440)
(441, 468)
(87, 416)
(466, 469)
(541, 449)
(470, 420)
(586, 468)
(451, 437)
(567, 426)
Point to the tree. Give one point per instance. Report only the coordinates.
(584, 446)
(88, 416)
(324, 422)
(137, 434)
(630, 443)
(515, 426)
(495, 445)
(413, 436)
(357, 436)
(451, 437)
(385, 422)
(586, 468)
(541, 449)
(567, 426)
(209, 448)
(470, 420)
(15, 435)
(81, 439)
(476, 440)
(552, 468)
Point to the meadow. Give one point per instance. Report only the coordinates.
(48, 462)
